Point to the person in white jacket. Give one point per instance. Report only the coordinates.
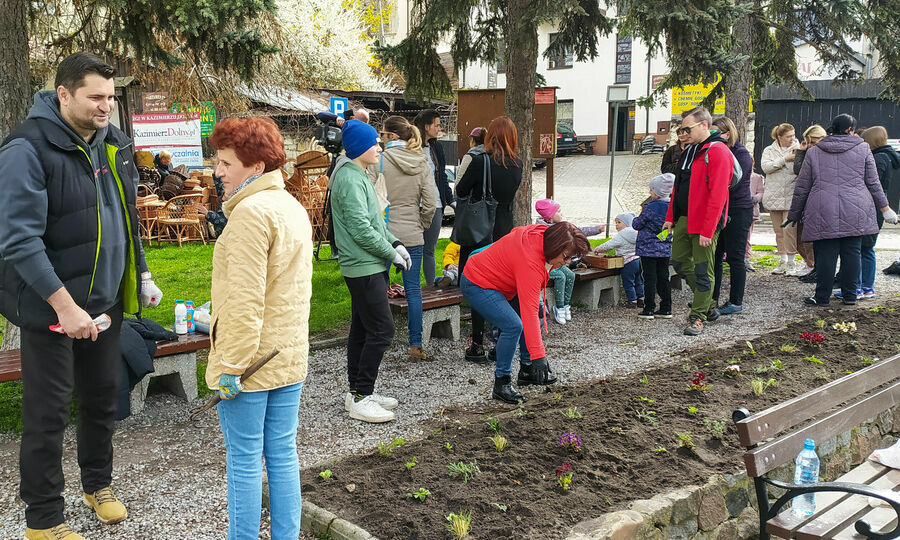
(624, 244)
(777, 163)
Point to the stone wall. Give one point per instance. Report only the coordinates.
(726, 507)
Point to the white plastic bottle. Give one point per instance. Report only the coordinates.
(806, 471)
(180, 317)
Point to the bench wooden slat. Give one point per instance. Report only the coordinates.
(10, 366)
(432, 297)
(846, 513)
(768, 423)
(763, 459)
(595, 273)
(785, 523)
(882, 518)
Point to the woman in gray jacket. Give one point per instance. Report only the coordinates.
(413, 200)
(836, 196)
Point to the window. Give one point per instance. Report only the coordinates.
(560, 61)
(565, 111)
(501, 64)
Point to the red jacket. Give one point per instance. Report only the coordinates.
(515, 266)
(708, 198)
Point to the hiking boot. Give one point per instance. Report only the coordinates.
(645, 314)
(695, 328)
(660, 314)
(105, 504)
(538, 373)
(504, 391)
(417, 353)
(444, 282)
(712, 315)
(894, 269)
(729, 309)
(475, 353)
(368, 410)
(60, 532)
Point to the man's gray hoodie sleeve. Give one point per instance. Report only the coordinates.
(23, 220)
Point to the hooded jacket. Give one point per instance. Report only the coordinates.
(705, 199)
(69, 218)
(410, 192)
(648, 224)
(515, 266)
(837, 190)
(739, 195)
(780, 177)
(625, 241)
(887, 163)
(261, 287)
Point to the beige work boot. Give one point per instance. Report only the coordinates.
(107, 507)
(60, 532)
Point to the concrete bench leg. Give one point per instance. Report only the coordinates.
(594, 292)
(441, 322)
(177, 373)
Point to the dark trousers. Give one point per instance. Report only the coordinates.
(371, 330)
(54, 365)
(733, 246)
(477, 319)
(827, 252)
(656, 278)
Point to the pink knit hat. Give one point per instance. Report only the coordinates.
(546, 208)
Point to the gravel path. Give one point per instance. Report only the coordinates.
(170, 473)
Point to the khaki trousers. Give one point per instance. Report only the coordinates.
(785, 237)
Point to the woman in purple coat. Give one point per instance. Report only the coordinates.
(836, 196)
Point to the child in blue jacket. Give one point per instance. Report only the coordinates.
(655, 253)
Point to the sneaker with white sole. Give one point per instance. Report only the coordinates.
(568, 310)
(782, 268)
(867, 294)
(559, 315)
(801, 270)
(386, 403)
(368, 410)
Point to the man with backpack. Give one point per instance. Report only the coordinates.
(699, 210)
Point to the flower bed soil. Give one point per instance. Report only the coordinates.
(622, 435)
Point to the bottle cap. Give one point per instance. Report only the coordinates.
(191, 302)
(179, 301)
(809, 444)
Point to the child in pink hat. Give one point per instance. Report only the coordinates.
(563, 277)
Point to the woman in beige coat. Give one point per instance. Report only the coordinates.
(413, 201)
(777, 163)
(261, 288)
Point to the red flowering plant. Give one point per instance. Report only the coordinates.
(699, 382)
(564, 474)
(812, 339)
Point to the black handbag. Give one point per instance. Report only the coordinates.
(474, 222)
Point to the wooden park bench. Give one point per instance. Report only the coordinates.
(175, 364)
(775, 436)
(440, 312)
(593, 287)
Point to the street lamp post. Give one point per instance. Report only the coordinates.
(616, 95)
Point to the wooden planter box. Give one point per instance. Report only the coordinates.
(604, 261)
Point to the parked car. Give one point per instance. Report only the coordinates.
(566, 140)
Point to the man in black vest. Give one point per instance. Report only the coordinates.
(70, 252)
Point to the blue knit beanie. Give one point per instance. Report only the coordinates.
(358, 137)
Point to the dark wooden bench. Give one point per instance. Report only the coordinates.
(593, 286)
(775, 436)
(175, 363)
(440, 311)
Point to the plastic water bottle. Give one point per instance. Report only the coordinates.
(806, 471)
(180, 317)
(189, 308)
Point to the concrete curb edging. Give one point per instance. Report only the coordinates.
(327, 343)
(316, 520)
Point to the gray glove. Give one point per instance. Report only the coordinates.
(402, 258)
(890, 216)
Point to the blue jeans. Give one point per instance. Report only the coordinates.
(632, 281)
(494, 307)
(413, 289)
(867, 261)
(256, 424)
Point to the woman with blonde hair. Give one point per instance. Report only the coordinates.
(413, 202)
(776, 162)
(806, 273)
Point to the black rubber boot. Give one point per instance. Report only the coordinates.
(504, 391)
(475, 353)
(538, 372)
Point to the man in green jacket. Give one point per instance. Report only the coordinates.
(365, 248)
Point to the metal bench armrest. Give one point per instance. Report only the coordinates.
(863, 528)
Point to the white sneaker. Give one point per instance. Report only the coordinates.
(783, 267)
(568, 313)
(802, 270)
(559, 315)
(368, 410)
(386, 403)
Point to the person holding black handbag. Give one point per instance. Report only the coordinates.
(504, 169)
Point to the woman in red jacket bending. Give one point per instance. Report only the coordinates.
(504, 283)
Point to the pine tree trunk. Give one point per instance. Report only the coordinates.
(10, 337)
(15, 84)
(737, 85)
(521, 67)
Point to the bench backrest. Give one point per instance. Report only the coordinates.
(758, 432)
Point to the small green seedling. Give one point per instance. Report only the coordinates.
(500, 442)
(716, 427)
(493, 424)
(467, 470)
(645, 399)
(820, 323)
(788, 348)
(448, 447)
(419, 495)
(693, 410)
(325, 475)
(498, 506)
(752, 350)
(660, 449)
(573, 413)
(412, 463)
(645, 380)
(813, 360)
(459, 524)
(758, 385)
(685, 440)
(648, 416)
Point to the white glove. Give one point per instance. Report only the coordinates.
(150, 293)
(402, 258)
(890, 216)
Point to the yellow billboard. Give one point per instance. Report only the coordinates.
(686, 98)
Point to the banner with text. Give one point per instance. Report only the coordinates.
(686, 98)
(178, 134)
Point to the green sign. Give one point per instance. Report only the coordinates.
(207, 115)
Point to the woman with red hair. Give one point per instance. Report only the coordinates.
(261, 287)
(500, 144)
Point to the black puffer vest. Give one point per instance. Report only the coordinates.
(73, 222)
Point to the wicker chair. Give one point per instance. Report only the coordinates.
(179, 220)
(308, 185)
